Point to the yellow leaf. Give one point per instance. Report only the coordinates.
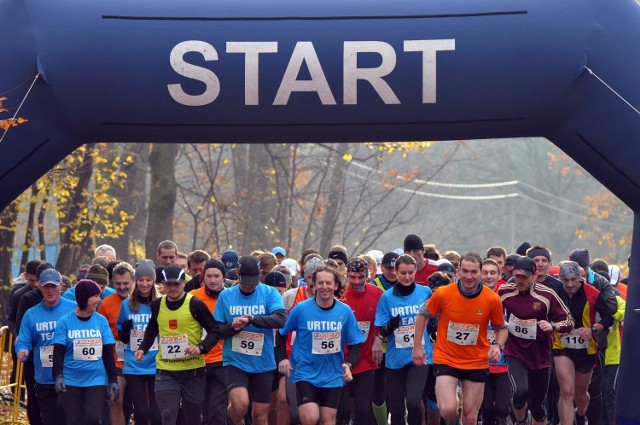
(347, 157)
(213, 199)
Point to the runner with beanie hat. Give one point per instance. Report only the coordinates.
(133, 319)
(215, 391)
(83, 358)
(426, 267)
(145, 268)
(541, 255)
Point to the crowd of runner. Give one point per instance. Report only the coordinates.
(412, 336)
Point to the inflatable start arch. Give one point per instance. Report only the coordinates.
(347, 70)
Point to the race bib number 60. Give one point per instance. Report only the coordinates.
(87, 349)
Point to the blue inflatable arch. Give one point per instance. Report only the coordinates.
(332, 70)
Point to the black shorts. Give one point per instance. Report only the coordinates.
(258, 384)
(323, 397)
(430, 385)
(473, 375)
(582, 361)
(119, 372)
(276, 380)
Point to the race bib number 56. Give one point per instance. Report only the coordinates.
(326, 342)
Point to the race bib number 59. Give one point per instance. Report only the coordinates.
(249, 343)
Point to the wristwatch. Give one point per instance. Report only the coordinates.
(500, 346)
(349, 365)
(594, 330)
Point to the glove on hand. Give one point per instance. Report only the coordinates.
(59, 385)
(113, 390)
(394, 323)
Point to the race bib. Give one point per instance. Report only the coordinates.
(364, 327)
(249, 343)
(463, 333)
(525, 329)
(491, 336)
(120, 350)
(87, 349)
(574, 340)
(135, 339)
(172, 347)
(404, 335)
(326, 342)
(46, 356)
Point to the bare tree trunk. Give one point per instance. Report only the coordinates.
(333, 199)
(42, 244)
(162, 198)
(8, 218)
(256, 202)
(28, 231)
(72, 253)
(132, 199)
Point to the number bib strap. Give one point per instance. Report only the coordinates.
(172, 347)
(46, 356)
(573, 340)
(249, 343)
(364, 327)
(525, 329)
(326, 342)
(463, 333)
(87, 349)
(135, 339)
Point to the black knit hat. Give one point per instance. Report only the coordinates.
(215, 264)
(522, 249)
(85, 289)
(412, 242)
